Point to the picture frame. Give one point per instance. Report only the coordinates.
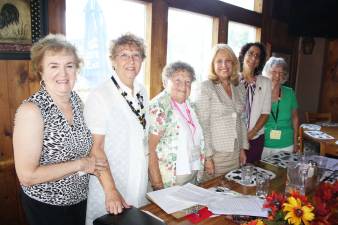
(25, 23)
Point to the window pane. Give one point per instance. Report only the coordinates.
(246, 4)
(90, 25)
(239, 34)
(188, 42)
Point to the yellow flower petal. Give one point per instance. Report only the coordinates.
(295, 220)
(293, 201)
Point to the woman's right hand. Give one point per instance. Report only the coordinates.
(209, 166)
(115, 203)
(93, 165)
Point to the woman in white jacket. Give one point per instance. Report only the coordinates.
(258, 97)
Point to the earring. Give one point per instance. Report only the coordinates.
(42, 82)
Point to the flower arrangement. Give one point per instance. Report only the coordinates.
(298, 210)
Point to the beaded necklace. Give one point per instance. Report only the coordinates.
(140, 116)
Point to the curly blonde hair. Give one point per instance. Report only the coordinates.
(127, 39)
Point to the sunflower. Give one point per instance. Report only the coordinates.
(296, 213)
(255, 222)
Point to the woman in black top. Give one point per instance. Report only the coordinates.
(52, 142)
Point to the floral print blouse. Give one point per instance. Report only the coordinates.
(164, 122)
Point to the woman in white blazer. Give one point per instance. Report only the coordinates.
(258, 97)
(219, 106)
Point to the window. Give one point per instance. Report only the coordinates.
(190, 40)
(254, 5)
(91, 24)
(239, 34)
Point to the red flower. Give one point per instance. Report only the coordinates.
(302, 198)
(274, 201)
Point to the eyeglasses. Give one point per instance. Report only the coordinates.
(252, 54)
(179, 82)
(274, 72)
(221, 62)
(126, 57)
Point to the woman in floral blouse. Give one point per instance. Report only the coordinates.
(176, 145)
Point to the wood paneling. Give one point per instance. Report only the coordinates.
(5, 124)
(157, 44)
(16, 85)
(329, 90)
(57, 16)
(221, 29)
(9, 198)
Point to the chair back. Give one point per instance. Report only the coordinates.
(312, 117)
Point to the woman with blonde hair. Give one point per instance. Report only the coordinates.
(219, 106)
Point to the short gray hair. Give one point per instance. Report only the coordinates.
(170, 69)
(275, 61)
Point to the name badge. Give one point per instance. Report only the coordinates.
(275, 134)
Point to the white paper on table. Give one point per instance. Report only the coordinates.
(238, 205)
(192, 193)
(165, 200)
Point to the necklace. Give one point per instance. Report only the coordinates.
(140, 116)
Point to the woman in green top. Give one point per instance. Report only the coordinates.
(281, 129)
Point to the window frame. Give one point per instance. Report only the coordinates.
(157, 28)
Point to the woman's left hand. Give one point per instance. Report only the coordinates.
(242, 157)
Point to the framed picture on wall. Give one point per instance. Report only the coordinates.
(22, 23)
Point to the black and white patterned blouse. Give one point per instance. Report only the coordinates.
(61, 142)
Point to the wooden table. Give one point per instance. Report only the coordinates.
(277, 184)
(326, 146)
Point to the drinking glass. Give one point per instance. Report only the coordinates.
(262, 185)
(247, 173)
(297, 174)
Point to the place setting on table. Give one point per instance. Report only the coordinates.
(315, 130)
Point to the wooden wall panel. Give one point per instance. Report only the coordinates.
(329, 90)
(9, 198)
(18, 86)
(15, 86)
(5, 118)
(158, 46)
(57, 16)
(222, 29)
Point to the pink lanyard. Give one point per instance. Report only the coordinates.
(189, 121)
